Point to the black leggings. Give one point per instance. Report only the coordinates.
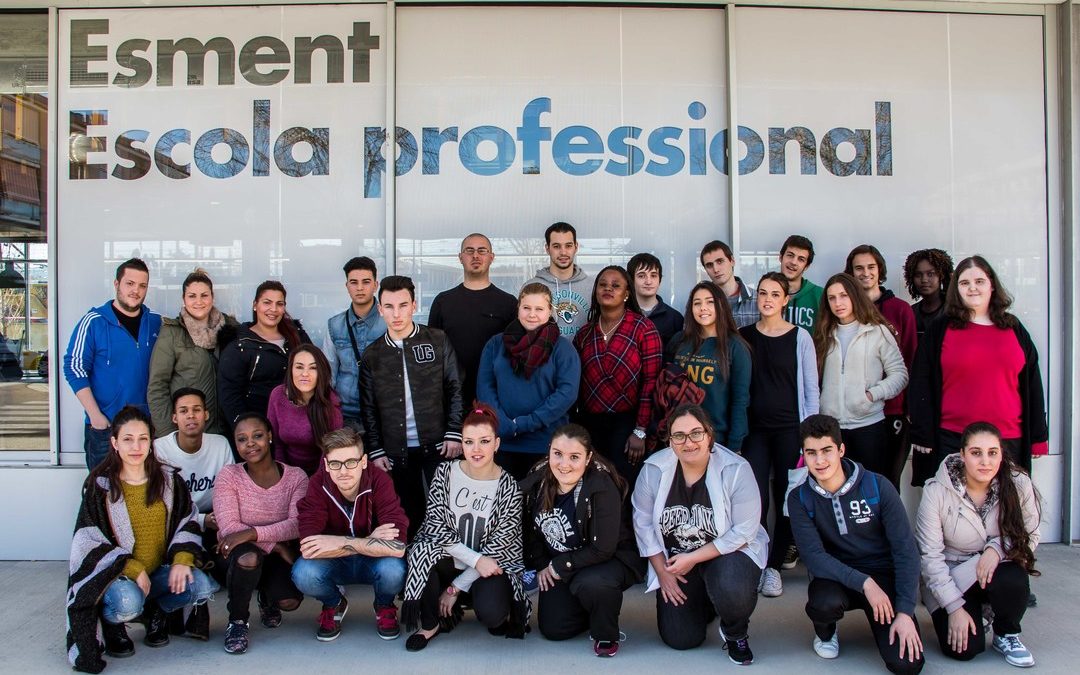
(591, 599)
(725, 586)
(1007, 594)
(251, 569)
(772, 453)
(898, 447)
(491, 597)
(609, 432)
(827, 602)
(869, 446)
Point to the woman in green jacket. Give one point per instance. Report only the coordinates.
(186, 354)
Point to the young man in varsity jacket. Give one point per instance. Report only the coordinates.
(854, 537)
(410, 398)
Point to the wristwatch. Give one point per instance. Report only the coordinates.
(451, 590)
(640, 433)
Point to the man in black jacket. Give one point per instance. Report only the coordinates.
(854, 537)
(410, 398)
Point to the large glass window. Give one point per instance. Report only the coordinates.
(24, 290)
(514, 118)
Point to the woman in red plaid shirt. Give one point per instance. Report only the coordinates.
(621, 356)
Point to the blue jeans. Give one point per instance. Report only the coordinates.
(124, 600)
(320, 578)
(96, 445)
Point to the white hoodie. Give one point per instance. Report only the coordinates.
(873, 364)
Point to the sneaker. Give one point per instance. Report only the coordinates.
(387, 623)
(198, 623)
(771, 585)
(157, 626)
(117, 642)
(269, 615)
(738, 650)
(1014, 651)
(827, 649)
(1032, 601)
(606, 649)
(791, 558)
(341, 609)
(236, 637)
(528, 580)
(329, 624)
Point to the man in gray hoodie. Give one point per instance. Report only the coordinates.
(571, 289)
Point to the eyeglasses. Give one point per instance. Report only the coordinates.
(697, 436)
(337, 465)
(470, 251)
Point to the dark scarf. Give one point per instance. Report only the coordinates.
(529, 350)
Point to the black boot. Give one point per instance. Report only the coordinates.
(198, 623)
(157, 625)
(176, 622)
(117, 642)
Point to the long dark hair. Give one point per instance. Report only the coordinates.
(110, 467)
(287, 327)
(1000, 299)
(1014, 533)
(726, 329)
(549, 485)
(864, 310)
(631, 301)
(320, 407)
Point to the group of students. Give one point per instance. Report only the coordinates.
(438, 462)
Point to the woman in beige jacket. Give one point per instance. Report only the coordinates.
(977, 529)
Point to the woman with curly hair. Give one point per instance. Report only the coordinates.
(977, 529)
(927, 273)
(977, 362)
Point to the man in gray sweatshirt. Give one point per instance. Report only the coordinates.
(571, 289)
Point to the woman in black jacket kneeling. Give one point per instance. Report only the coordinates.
(579, 538)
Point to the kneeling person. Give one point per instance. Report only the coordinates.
(352, 531)
(854, 537)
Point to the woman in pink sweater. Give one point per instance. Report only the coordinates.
(304, 409)
(255, 506)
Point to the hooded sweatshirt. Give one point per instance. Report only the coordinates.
(571, 299)
(861, 530)
(323, 510)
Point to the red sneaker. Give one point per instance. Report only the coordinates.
(386, 622)
(606, 649)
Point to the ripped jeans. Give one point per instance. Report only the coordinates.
(124, 600)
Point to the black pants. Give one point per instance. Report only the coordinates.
(771, 454)
(517, 464)
(271, 576)
(898, 447)
(828, 601)
(869, 446)
(591, 599)
(491, 598)
(412, 475)
(1007, 594)
(215, 565)
(609, 432)
(725, 586)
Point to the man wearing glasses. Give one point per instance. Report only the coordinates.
(473, 311)
(352, 531)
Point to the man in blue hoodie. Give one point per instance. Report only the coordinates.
(854, 537)
(107, 363)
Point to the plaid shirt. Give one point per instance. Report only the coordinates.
(744, 307)
(620, 374)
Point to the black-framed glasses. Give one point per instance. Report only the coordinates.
(697, 436)
(337, 465)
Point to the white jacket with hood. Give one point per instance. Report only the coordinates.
(952, 536)
(873, 364)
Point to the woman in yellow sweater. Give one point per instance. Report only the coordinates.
(136, 549)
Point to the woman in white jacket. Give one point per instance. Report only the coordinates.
(977, 529)
(697, 519)
(861, 367)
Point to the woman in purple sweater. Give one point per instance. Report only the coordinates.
(304, 409)
(255, 504)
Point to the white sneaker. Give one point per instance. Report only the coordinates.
(827, 649)
(771, 585)
(1014, 651)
